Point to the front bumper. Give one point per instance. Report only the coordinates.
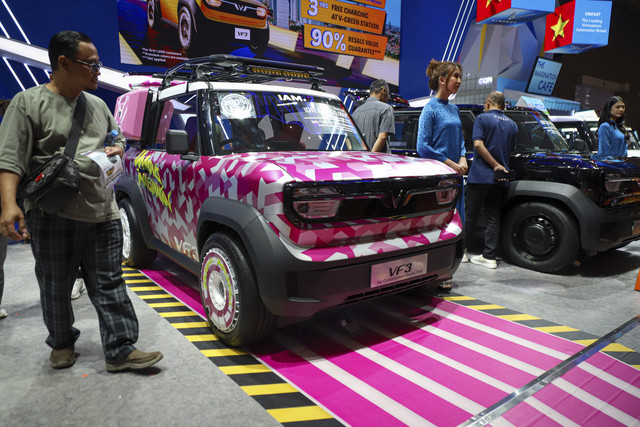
(291, 287)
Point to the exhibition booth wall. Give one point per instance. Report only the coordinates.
(415, 32)
(426, 30)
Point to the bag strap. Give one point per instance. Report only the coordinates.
(76, 126)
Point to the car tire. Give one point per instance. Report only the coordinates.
(230, 295)
(258, 44)
(540, 237)
(153, 14)
(185, 28)
(134, 251)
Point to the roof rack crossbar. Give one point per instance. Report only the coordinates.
(230, 68)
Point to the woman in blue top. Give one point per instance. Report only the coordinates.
(612, 142)
(439, 129)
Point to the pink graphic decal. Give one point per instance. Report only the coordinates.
(174, 190)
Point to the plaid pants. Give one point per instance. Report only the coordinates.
(3, 256)
(59, 247)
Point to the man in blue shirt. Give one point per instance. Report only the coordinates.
(494, 138)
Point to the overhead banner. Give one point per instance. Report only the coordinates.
(578, 26)
(345, 15)
(512, 12)
(354, 41)
(346, 42)
(375, 3)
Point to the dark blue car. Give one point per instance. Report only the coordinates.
(562, 205)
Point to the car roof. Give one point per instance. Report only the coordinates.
(257, 87)
(565, 119)
(470, 107)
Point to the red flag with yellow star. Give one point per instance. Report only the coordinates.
(488, 8)
(511, 12)
(559, 28)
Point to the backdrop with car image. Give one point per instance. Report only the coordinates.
(353, 41)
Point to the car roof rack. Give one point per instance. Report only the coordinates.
(230, 68)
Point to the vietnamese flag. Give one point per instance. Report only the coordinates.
(488, 8)
(559, 28)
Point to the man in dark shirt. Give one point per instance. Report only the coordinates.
(375, 117)
(494, 138)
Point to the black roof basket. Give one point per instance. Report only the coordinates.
(230, 68)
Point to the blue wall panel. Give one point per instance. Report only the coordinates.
(433, 29)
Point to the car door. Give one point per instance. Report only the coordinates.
(167, 181)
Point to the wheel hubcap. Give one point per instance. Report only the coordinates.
(219, 290)
(537, 236)
(185, 30)
(126, 234)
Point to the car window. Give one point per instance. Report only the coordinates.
(406, 132)
(576, 134)
(536, 133)
(269, 121)
(467, 118)
(178, 113)
(632, 142)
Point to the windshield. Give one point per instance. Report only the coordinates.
(578, 135)
(536, 133)
(632, 142)
(271, 121)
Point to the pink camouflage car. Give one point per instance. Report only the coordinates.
(271, 196)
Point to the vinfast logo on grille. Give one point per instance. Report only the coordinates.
(241, 8)
(396, 198)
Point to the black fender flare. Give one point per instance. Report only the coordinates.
(219, 212)
(256, 236)
(127, 187)
(586, 212)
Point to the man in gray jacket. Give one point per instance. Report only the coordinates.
(87, 232)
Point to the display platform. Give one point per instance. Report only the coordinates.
(413, 359)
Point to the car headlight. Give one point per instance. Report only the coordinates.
(214, 3)
(614, 184)
(447, 195)
(316, 202)
(261, 11)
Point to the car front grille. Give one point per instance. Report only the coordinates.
(376, 200)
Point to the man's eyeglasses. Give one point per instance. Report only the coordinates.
(94, 66)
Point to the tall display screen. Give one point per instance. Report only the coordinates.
(543, 77)
(354, 41)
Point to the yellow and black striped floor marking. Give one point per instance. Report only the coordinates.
(280, 399)
(618, 351)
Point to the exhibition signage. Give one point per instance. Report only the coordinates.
(374, 3)
(345, 15)
(512, 12)
(544, 76)
(345, 42)
(578, 26)
(355, 41)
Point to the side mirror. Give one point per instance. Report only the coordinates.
(177, 141)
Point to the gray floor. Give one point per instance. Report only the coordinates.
(187, 389)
